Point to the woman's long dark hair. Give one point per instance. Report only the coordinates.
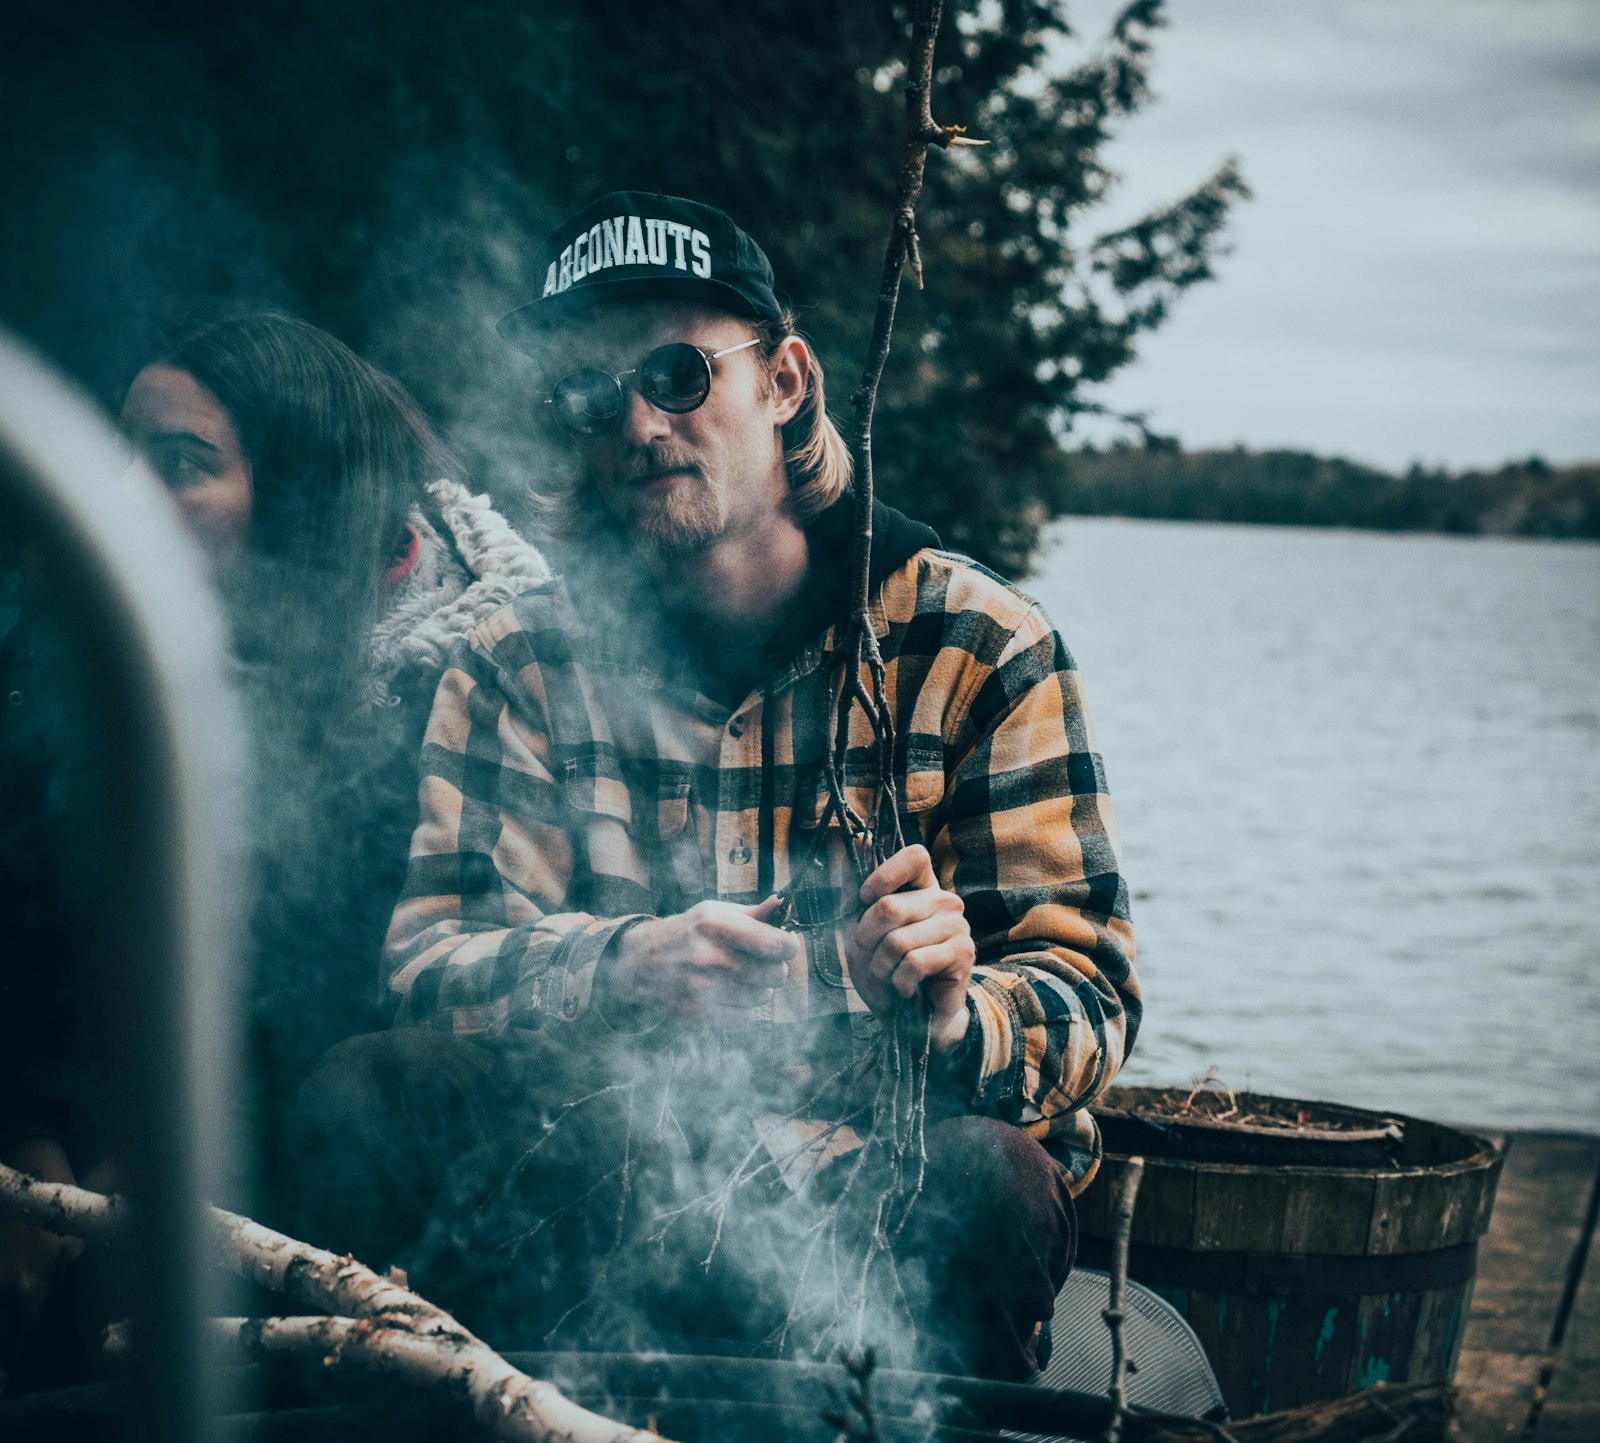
(338, 452)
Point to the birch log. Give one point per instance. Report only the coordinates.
(393, 1330)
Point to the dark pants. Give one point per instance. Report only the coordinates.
(546, 1205)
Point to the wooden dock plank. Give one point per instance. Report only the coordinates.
(1571, 1409)
(1496, 1393)
(1523, 1264)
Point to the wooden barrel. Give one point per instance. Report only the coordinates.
(1304, 1281)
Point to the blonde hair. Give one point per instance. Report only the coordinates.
(814, 453)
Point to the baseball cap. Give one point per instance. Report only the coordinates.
(636, 243)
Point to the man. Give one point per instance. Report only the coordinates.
(624, 798)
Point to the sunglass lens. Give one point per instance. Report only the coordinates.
(587, 402)
(675, 378)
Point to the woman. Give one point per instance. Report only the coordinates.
(319, 491)
(349, 557)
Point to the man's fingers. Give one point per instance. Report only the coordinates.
(923, 968)
(763, 911)
(734, 929)
(897, 945)
(900, 910)
(923, 940)
(715, 954)
(909, 867)
(742, 989)
(758, 971)
(745, 991)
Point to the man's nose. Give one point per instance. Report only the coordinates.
(642, 422)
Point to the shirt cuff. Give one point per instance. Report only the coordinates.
(630, 1021)
(960, 1069)
(1000, 1060)
(562, 991)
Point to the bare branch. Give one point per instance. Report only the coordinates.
(920, 131)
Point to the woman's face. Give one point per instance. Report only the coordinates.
(182, 432)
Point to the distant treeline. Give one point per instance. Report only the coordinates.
(1294, 488)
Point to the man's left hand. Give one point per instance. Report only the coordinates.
(912, 937)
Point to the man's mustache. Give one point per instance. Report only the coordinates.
(653, 460)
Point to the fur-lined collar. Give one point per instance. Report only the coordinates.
(469, 564)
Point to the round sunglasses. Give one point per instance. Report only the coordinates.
(675, 377)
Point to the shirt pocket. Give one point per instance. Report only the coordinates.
(651, 804)
(919, 792)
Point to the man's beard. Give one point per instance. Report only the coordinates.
(688, 516)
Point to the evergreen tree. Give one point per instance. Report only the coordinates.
(1294, 488)
(387, 169)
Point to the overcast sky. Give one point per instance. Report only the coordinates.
(1418, 277)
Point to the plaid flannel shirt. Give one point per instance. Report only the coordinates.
(574, 780)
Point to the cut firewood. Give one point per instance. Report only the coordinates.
(389, 1328)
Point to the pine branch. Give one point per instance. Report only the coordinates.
(390, 1328)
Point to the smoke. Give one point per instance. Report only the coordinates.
(653, 1204)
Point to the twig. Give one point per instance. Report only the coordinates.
(1419, 1413)
(1127, 1195)
(860, 1425)
(1207, 1079)
(550, 1127)
(860, 647)
(514, 1246)
(396, 1330)
(921, 131)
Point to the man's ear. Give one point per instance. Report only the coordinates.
(791, 376)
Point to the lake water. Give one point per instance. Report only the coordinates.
(1358, 782)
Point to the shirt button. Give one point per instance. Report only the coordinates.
(736, 727)
(739, 854)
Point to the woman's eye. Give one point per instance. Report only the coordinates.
(181, 472)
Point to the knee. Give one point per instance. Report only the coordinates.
(361, 1080)
(985, 1171)
(985, 1154)
(345, 1080)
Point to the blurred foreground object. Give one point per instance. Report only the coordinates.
(140, 615)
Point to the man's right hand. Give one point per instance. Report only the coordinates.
(31, 1259)
(714, 957)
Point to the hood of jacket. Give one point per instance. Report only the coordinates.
(469, 563)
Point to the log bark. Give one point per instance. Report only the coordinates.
(505, 1403)
(57, 1208)
(392, 1329)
